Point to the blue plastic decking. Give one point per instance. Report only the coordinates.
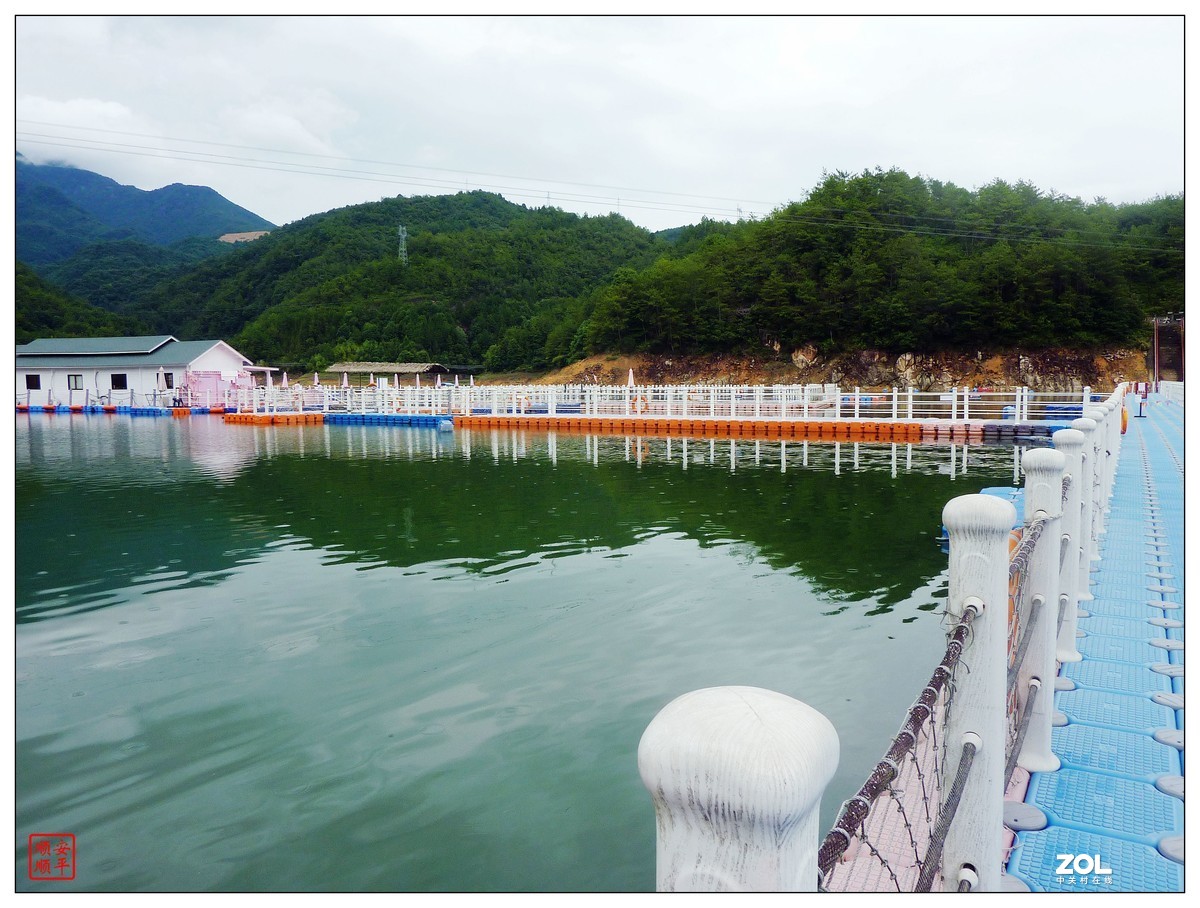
(1122, 745)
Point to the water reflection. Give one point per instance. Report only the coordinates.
(107, 505)
(241, 648)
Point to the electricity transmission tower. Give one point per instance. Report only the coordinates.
(403, 245)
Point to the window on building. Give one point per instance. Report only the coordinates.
(74, 382)
(169, 377)
(33, 383)
(120, 381)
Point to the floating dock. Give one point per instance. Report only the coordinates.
(964, 431)
(317, 418)
(826, 429)
(1111, 818)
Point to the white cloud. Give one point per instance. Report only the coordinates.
(747, 108)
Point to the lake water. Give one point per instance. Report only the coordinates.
(368, 658)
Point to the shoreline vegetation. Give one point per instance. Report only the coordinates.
(873, 279)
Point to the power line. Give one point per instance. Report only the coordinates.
(957, 230)
(369, 176)
(964, 233)
(306, 154)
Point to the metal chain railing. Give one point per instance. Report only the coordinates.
(910, 775)
(849, 858)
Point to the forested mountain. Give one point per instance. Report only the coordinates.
(880, 260)
(898, 263)
(43, 310)
(62, 209)
(111, 274)
(332, 286)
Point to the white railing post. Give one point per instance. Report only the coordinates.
(978, 526)
(1087, 523)
(1116, 410)
(1102, 466)
(736, 775)
(1043, 498)
(1100, 414)
(1071, 442)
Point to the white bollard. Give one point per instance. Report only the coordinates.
(1106, 417)
(979, 526)
(1102, 414)
(1087, 497)
(1043, 497)
(736, 775)
(1071, 443)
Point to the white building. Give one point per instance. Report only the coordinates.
(137, 371)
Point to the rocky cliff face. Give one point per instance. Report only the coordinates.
(1046, 370)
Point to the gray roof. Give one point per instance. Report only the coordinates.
(384, 368)
(74, 353)
(94, 346)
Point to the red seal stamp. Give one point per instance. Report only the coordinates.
(52, 856)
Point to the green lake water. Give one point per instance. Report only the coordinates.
(368, 658)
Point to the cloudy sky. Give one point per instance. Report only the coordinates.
(665, 119)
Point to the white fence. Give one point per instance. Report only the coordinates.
(736, 774)
(670, 401)
(1172, 391)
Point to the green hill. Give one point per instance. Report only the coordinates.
(897, 263)
(61, 209)
(880, 260)
(112, 273)
(331, 287)
(43, 310)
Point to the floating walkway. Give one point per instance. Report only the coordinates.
(975, 431)
(317, 418)
(114, 410)
(828, 429)
(1114, 810)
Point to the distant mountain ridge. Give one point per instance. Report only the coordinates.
(62, 209)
